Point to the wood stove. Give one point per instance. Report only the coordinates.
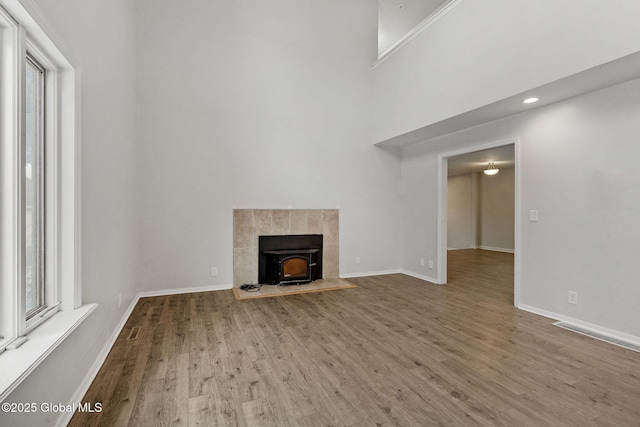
(289, 259)
(287, 267)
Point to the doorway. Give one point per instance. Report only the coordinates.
(483, 215)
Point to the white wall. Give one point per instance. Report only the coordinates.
(496, 210)
(485, 51)
(257, 104)
(224, 88)
(219, 97)
(579, 170)
(99, 34)
(462, 212)
(480, 211)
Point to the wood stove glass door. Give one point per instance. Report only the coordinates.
(295, 267)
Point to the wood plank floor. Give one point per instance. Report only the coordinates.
(396, 351)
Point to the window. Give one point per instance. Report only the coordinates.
(34, 186)
(38, 195)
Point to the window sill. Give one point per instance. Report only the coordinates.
(17, 364)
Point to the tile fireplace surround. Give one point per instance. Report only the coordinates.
(249, 224)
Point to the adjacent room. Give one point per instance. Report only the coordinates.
(480, 218)
(277, 213)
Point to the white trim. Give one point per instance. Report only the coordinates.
(385, 272)
(28, 14)
(424, 277)
(10, 218)
(184, 291)
(18, 198)
(14, 344)
(494, 249)
(19, 363)
(369, 273)
(417, 30)
(611, 333)
(71, 178)
(517, 223)
(442, 243)
(442, 210)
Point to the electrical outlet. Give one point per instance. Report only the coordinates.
(357, 260)
(119, 300)
(573, 297)
(533, 215)
(431, 264)
(214, 271)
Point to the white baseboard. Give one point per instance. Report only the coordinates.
(369, 273)
(383, 272)
(65, 417)
(184, 291)
(420, 276)
(611, 333)
(492, 248)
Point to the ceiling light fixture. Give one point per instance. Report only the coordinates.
(402, 6)
(491, 169)
(530, 100)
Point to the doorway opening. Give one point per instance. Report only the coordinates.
(478, 222)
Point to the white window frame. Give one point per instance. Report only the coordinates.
(51, 189)
(23, 29)
(39, 179)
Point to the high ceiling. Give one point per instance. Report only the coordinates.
(503, 157)
(397, 17)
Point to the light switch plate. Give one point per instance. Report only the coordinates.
(533, 215)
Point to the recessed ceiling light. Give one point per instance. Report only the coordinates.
(531, 100)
